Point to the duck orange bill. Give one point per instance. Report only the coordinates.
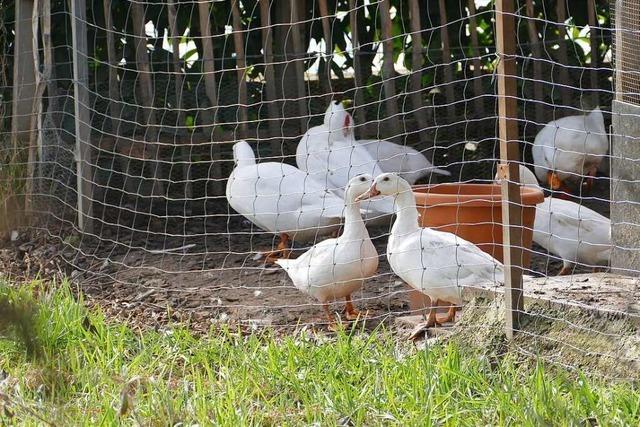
(372, 192)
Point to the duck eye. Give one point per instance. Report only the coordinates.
(386, 178)
(363, 179)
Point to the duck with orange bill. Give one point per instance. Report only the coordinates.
(281, 199)
(436, 263)
(336, 268)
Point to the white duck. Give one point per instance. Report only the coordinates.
(336, 268)
(409, 163)
(281, 199)
(433, 262)
(570, 148)
(568, 230)
(331, 156)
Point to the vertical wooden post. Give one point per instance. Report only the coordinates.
(509, 156)
(296, 24)
(269, 76)
(146, 90)
(593, 38)
(115, 107)
(241, 68)
(358, 102)
(211, 116)
(82, 115)
(185, 149)
(477, 64)
(417, 57)
(36, 110)
(446, 59)
(388, 70)
(326, 31)
(24, 84)
(563, 56)
(536, 57)
(24, 79)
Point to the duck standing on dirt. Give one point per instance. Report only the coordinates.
(433, 262)
(281, 199)
(336, 268)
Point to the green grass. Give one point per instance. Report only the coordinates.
(84, 369)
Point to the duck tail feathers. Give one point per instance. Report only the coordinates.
(440, 171)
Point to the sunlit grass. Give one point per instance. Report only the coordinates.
(89, 370)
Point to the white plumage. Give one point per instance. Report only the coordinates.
(568, 230)
(433, 262)
(330, 155)
(335, 268)
(569, 149)
(409, 163)
(280, 198)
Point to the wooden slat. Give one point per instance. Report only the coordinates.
(146, 91)
(299, 50)
(358, 104)
(270, 79)
(388, 71)
(179, 87)
(36, 111)
(534, 40)
(477, 64)
(417, 58)
(82, 115)
(326, 32)
(210, 115)
(509, 156)
(241, 68)
(446, 59)
(593, 38)
(115, 107)
(563, 57)
(24, 86)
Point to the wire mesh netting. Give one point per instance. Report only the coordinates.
(165, 154)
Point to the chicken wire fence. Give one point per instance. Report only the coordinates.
(142, 107)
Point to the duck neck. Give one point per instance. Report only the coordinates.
(353, 223)
(407, 213)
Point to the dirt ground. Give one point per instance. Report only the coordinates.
(213, 279)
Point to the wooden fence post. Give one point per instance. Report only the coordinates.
(446, 62)
(24, 85)
(210, 86)
(358, 101)
(536, 54)
(417, 58)
(185, 149)
(327, 24)
(509, 156)
(269, 77)
(297, 26)
(241, 69)
(563, 56)
(388, 72)
(477, 64)
(593, 39)
(82, 115)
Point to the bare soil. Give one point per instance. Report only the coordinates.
(213, 279)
